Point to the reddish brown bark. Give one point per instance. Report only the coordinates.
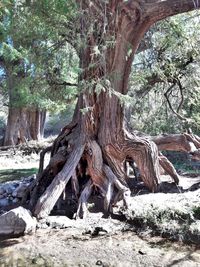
(178, 142)
(97, 135)
(24, 124)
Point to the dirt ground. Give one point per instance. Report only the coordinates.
(78, 247)
(61, 248)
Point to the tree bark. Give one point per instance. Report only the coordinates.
(177, 142)
(97, 134)
(24, 124)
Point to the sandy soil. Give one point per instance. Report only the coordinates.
(61, 248)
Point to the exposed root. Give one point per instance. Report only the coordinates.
(45, 178)
(105, 171)
(145, 154)
(42, 155)
(75, 185)
(82, 204)
(103, 177)
(49, 198)
(108, 196)
(94, 159)
(104, 166)
(115, 158)
(168, 167)
(95, 170)
(123, 190)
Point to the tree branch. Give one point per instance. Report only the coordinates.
(158, 10)
(166, 94)
(62, 83)
(182, 96)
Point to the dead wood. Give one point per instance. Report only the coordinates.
(49, 198)
(42, 155)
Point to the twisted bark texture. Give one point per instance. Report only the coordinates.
(96, 143)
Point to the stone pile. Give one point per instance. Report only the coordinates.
(12, 192)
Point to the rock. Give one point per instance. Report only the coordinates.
(2, 212)
(9, 187)
(99, 263)
(17, 221)
(4, 202)
(15, 200)
(30, 178)
(39, 261)
(59, 222)
(20, 190)
(12, 192)
(2, 190)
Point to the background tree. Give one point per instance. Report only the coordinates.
(29, 59)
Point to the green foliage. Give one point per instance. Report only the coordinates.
(9, 53)
(34, 53)
(196, 212)
(170, 66)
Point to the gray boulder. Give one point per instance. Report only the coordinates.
(19, 191)
(17, 221)
(5, 202)
(2, 190)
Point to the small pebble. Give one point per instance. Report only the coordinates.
(99, 263)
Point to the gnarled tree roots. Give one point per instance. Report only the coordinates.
(75, 157)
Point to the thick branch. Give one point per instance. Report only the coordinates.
(159, 10)
(173, 142)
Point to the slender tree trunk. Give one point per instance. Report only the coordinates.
(97, 134)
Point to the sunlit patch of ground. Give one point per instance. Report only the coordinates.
(63, 248)
(15, 165)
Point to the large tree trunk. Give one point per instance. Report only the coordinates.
(97, 135)
(24, 124)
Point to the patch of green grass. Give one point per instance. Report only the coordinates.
(185, 167)
(15, 174)
(196, 213)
